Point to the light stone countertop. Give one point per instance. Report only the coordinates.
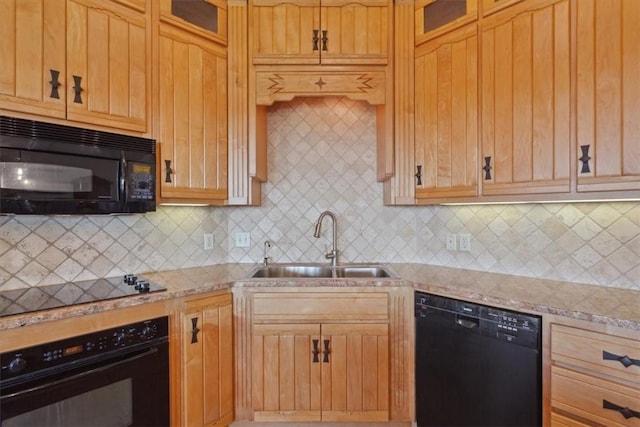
(612, 306)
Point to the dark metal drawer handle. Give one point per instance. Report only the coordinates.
(77, 88)
(324, 40)
(315, 39)
(625, 360)
(418, 175)
(315, 351)
(325, 352)
(626, 412)
(585, 159)
(169, 171)
(194, 330)
(55, 84)
(487, 168)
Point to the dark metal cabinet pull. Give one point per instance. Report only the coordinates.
(625, 360)
(325, 352)
(194, 330)
(487, 168)
(315, 39)
(315, 351)
(585, 159)
(324, 40)
(77, 88)
(418, 175)
(55, 84)
(626, 412)
(167, 177)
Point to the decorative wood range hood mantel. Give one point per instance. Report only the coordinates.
(323, 53)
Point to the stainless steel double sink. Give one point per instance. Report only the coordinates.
(310, 271)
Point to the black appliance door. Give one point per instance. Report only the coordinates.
(35, 175)
(466, 379)
(130, 390)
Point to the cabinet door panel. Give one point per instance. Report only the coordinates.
(192, 121)
(282, 32)
(526, 99)
(208, 362)
(608, 110)
(107, 51)
(355, 380)
(357, 33)
(32, 41)
(446, 126)
(286, 380)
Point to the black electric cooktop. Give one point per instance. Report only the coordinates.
(26, 300)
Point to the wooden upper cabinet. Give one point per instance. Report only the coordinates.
(207, 18)
(106, 65)
(608, 95)
(342, 32)
(436, 17)
(526, 102)
(491, 6)
(192, 119)
(446, 115)
(33, 70)
(85, 61)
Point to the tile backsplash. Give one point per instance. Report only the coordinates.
(322, 156)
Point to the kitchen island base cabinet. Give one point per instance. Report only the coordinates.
(207, 352)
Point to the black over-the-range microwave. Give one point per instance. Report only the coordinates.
(48, 169)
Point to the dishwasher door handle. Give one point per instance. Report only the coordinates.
(466, 322)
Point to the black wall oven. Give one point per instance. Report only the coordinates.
(116, 377)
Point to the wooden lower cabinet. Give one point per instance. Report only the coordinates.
(321, 372)
(323, 354)
(207, 352)
(595, 377)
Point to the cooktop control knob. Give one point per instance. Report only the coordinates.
(142, 286)
(17, 365)
(130, 279)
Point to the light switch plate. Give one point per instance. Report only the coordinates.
(208, 241)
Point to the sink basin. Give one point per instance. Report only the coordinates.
(310, 271)
(361, 271)
(289, 271)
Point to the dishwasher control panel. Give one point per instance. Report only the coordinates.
(506, 325)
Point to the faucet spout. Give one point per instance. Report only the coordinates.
(333, 255)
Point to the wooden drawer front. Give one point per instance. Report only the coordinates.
(558, 420)
(587, 349)
(320, 306)
(585, 396)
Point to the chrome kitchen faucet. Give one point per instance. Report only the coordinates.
(333, 255)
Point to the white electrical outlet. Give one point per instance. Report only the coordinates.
(451, 242)
(243, 240)
(208, 241)
(465, 242)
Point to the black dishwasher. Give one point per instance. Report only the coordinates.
(476, 365)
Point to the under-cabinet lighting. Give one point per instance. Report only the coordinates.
(184, 204)
(538, 201)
